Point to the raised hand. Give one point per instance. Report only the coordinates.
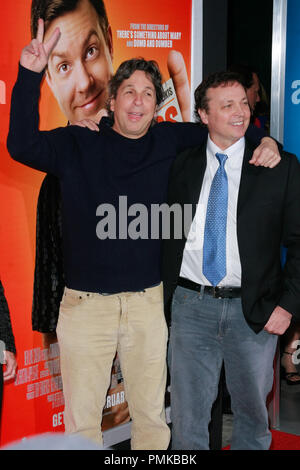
(35, 56)
(178, 73)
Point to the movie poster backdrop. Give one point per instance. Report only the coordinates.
(34, 403)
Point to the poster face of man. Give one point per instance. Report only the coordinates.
(81, 63)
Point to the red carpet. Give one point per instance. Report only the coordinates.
(282, 441)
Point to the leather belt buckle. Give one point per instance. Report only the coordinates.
(213, 292)
(216, 292)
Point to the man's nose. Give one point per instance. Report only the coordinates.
(84, 78)
(138, 99)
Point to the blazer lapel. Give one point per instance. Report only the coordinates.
(190, 183)
(248, 175)
(194, 179)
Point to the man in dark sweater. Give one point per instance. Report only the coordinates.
(113, 299)
(79, 84)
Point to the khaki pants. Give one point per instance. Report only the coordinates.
(91, 328)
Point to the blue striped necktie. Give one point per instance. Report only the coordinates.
(214, 246)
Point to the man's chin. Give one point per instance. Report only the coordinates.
(89, 112)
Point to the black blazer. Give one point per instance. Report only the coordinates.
(268, 215)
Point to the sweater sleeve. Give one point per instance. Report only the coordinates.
(188, 134)
(25, 143)
(255, 134)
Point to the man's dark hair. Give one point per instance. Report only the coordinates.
(126, 69)
(49, 10)
(213, 81)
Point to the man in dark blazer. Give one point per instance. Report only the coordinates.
(231, 297)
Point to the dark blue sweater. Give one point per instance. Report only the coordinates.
(97, 168)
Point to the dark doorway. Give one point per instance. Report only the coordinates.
(249, 36)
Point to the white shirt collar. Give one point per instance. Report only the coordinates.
(235, 150)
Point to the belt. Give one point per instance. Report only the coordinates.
(216, 292)
(133, 291)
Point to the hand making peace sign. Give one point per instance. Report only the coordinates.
(35, 56)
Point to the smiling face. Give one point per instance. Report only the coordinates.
(80, 65)
(228, 114)
(134, 106)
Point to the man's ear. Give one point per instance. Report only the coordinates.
(203, 115)
(48, 79)
(112, 104)
(110, 42)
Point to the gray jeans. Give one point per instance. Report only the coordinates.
(204, 333)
